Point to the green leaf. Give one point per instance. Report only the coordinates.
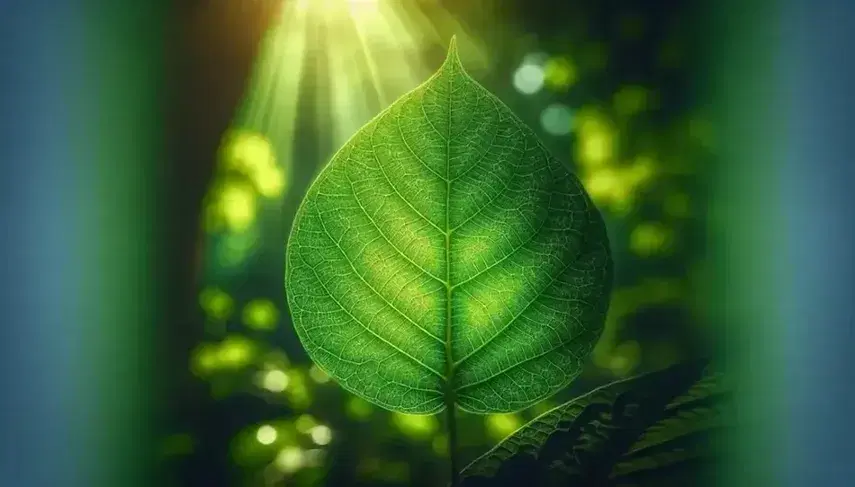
(638, 431)
(445, 257)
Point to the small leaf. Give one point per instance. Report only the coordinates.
(619, 434)
(444, 257)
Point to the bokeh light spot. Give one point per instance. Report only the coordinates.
(528, 79)
(556, 119)
(625, 358)
(501, 425)
(236, 352)
(649, 238)
(275, 380)
(318, 375)
(234, 204)
(266, 434)
(305, 423)
(415, 426)
(260, 314)
(358, 408)
(439, 445)
(321, 435)
(290, 459)
(559, 74)
(216, 304)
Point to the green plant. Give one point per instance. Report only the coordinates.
(444, 259)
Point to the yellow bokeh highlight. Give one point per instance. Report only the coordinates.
(559, 73)
(439, 445)
(418, 427)
(501, 425)
(624, 358)
(246, 151)
(236, 352)
(543, 407)
(260, 314)
(596, 137)
(616, 187)
(231, 205)
(266, 434)
(216, 304)
(298, 392)
(649, 238)
(321, 435)
(275, 380)
(270, 181)
(205, 359)
(305, 423)
(290, 459)
(358, 409)
(318, 375)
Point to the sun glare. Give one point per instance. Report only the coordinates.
(355, 57)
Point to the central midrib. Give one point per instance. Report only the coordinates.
(449, 358)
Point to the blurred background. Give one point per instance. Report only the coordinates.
(156, 153)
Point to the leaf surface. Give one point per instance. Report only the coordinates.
(638, 431)
(443, 256)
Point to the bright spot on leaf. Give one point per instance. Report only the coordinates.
(318, 375)
(290, 459)
(501, 425)
(236, 352)
(216, 304)
(559, 73)
(358, 408)
(649, 239)
(321, 435)
(415, 426)
(260, 314)
(556, 119)
(528, 79)
(266, 434)
(275, 380)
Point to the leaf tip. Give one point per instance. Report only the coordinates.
(453, 54)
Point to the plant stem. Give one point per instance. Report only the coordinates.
(451, 427)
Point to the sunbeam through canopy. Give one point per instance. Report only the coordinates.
(347, 60)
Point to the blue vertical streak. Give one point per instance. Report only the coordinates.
(819, 199)
(42, 407)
